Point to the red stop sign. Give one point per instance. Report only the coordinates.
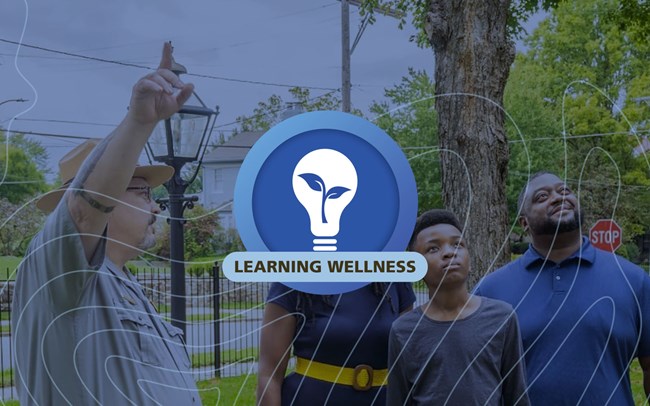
(606, 235)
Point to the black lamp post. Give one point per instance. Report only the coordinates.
(181, 139)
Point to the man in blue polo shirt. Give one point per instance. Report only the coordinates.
(584, 313)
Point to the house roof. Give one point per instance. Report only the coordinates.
(233, 150)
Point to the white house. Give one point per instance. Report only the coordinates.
(220, 169)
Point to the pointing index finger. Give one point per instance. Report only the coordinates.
(166, 60)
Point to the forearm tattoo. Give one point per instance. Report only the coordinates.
(92, 202)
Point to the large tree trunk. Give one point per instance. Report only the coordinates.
(473, 58)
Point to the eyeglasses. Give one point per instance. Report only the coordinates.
(144, 190)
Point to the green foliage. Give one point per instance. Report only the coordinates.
(270, 112)
(200, 230)
(132, 268)
(532, 126)
(197, 184)
(418, 10)
(18, 225)
(629, 251)
(408, 117)
(21, 178)
(33, 149)
(229, 241)
(199, 267)
(579, 67)
(7, 378)
(633, 16)
(187, 172)
(159, 192)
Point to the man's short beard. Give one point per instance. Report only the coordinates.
(551, 227)
(148, 241)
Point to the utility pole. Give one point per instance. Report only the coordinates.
(345, 56)
(346, 50)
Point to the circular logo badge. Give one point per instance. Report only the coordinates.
(325, 181)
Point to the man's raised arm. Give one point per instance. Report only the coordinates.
(106, 173)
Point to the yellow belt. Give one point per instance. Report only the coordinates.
(362, 377)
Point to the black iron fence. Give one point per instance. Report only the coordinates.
(223, 321)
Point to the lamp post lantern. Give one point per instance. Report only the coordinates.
(176, 141)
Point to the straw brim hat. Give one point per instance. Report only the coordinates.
(155, 175)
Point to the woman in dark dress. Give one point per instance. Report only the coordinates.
(340, 343)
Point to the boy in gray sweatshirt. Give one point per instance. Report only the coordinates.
(456, 349)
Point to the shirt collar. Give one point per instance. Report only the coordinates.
(586, 253)
(123, 273)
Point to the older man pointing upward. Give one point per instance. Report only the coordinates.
(84, 332)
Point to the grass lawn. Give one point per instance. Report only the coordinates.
(8, 265)
(205, 264)
(239, 390)
(163, 308)
(206, 317)
(155, 267)
(7, 378)
(164, 267)
(242, 305)
(636, 378)
(203, 359)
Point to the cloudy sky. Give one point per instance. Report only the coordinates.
(284, 42)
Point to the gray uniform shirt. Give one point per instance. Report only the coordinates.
(86, 334)
(473, 361)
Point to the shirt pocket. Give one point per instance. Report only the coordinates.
(140, 333)
(177, 345)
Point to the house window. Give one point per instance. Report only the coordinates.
(218, 181)
(228, 223)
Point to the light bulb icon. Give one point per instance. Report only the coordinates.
(324, 182)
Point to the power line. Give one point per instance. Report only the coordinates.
(587, 182)
(42, 134)
(305, 11)
(48, 120)
(405, 148)
(552, 138)
(219, 127)
(570, 137)
(276, 110)
(133, 65)
(19, 182)
(284, 108)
